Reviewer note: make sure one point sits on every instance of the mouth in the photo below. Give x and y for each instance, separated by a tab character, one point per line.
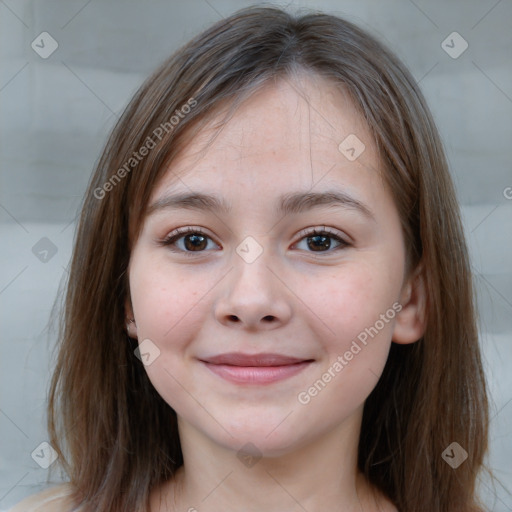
265	368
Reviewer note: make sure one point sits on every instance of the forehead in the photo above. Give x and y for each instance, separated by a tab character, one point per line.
299	132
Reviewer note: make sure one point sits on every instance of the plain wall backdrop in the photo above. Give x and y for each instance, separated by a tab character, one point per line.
69	68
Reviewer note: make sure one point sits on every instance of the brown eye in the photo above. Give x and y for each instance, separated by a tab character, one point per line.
319	242
322	241
187	240
195	242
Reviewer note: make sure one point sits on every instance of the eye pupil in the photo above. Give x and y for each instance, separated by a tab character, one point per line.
198	242
324	240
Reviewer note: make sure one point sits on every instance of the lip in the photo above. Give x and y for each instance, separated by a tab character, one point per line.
262	359
263	368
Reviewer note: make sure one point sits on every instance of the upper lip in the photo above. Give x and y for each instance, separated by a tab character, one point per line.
263	359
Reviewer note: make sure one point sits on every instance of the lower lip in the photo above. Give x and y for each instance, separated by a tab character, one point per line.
256	374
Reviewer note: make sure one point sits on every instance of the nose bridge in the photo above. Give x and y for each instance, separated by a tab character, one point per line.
252	275
252	280
254	296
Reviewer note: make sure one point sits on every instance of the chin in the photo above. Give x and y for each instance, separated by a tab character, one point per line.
262	437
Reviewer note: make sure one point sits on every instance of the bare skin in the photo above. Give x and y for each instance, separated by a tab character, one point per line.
292	300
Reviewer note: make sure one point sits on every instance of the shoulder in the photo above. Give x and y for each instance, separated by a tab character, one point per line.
55	499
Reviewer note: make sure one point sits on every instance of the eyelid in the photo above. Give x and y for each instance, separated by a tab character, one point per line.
177	234
310	231
180	232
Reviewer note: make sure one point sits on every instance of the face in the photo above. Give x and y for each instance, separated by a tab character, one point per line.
316	278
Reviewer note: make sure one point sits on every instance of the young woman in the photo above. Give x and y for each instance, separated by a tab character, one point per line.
270	305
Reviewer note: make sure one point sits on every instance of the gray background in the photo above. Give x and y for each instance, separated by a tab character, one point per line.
56	113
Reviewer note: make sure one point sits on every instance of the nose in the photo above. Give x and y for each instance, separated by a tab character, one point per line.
254	297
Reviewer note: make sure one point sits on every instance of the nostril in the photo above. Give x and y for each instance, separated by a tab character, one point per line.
268	318
233	317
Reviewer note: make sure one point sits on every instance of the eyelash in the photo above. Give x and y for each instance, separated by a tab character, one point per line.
179	233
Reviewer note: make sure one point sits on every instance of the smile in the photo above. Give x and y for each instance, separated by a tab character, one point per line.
255	369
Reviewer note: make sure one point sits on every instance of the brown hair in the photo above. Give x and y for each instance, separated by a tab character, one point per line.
116	437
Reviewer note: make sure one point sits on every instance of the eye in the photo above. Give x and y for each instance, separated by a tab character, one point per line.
319	240
194	240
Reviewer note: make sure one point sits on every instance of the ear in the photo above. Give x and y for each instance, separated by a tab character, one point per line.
411	320
130	325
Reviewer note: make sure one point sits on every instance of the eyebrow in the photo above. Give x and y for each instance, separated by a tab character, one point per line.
292	203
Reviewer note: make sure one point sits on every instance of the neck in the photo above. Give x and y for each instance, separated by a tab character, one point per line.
319	475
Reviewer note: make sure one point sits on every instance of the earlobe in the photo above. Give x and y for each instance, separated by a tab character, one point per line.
411	320
130	325
131	328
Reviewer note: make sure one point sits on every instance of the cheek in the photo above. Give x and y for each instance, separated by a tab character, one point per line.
353	300
169	307
165	300
356	310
